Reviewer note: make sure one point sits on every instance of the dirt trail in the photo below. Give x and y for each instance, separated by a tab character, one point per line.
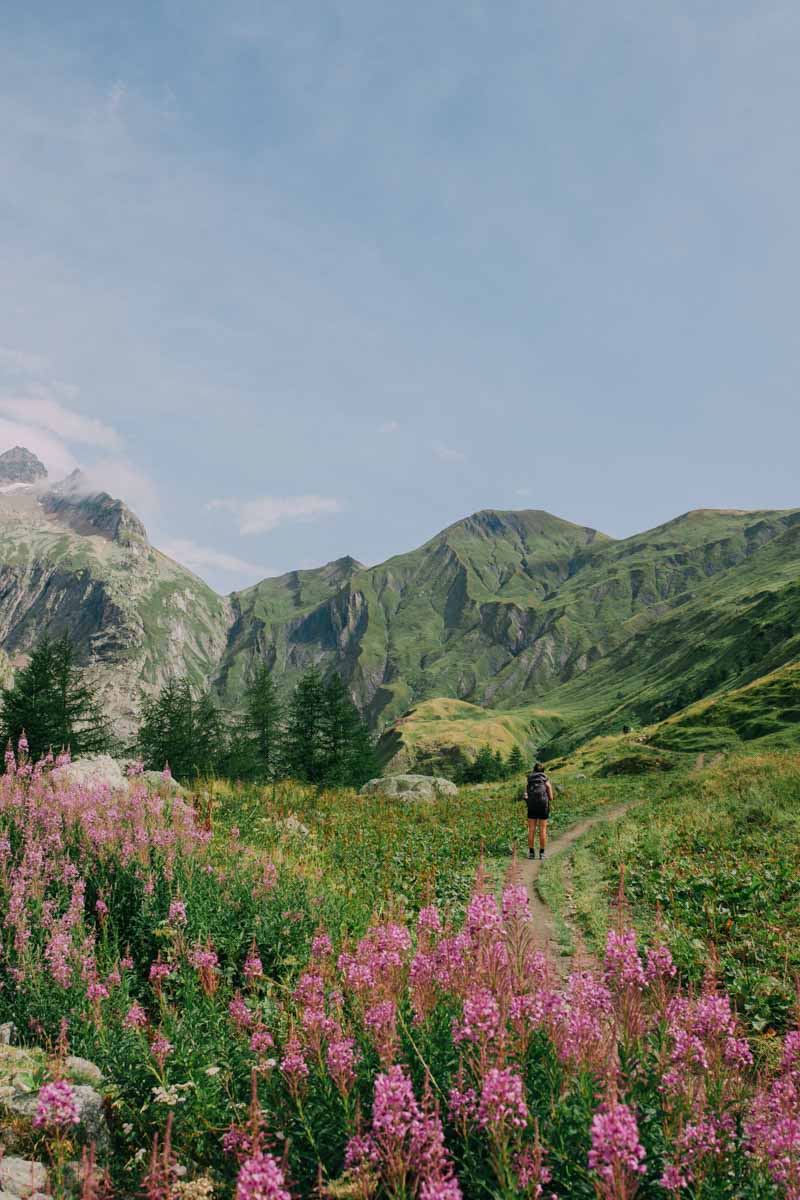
543	925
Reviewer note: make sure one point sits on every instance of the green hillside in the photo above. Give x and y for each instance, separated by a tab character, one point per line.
513	628
508	611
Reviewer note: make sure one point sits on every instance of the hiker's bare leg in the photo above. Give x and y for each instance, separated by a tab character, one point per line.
542	834
531	834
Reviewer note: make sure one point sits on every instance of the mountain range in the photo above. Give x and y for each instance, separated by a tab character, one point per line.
507	626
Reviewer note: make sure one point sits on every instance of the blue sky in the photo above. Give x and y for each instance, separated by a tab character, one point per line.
302	280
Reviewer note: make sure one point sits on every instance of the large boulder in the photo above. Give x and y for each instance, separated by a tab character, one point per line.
95	770
23	1071
410	787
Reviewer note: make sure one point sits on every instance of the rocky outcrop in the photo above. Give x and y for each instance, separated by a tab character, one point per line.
23	1074
20	466
89	512
410	787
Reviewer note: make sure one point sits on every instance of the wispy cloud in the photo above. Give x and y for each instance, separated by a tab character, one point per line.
43	411
448	453
390	427
201	558
268	512
57	458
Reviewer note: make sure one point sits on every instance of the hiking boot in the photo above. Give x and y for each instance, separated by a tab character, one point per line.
531	854
541	854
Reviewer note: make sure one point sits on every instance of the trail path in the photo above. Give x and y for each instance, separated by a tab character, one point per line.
543	925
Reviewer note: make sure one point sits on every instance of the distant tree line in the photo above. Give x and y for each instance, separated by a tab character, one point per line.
316	736
489	766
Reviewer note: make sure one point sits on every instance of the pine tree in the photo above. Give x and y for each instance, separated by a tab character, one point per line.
54	703
304	747
179	730
349	753
263	721
515	763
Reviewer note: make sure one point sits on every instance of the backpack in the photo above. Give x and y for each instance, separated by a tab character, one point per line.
537	786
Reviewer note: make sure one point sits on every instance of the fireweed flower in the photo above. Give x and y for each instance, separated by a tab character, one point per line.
516	904
135	1017
429	921
177	912
262	1178
698	1141
616	1155
57	1106
483	916
481	1018
623	967
261	1041
321	946
502	1104
293	1063
160	1048
239	1013
381	1022
253	967
341	1059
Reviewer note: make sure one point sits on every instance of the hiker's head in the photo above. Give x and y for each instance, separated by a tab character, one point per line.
538	766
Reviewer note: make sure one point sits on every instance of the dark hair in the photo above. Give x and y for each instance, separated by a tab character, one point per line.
539	766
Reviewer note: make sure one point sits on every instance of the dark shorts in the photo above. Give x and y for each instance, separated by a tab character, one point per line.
538	810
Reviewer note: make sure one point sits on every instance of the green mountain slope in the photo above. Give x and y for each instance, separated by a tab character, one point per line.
565	632
84	567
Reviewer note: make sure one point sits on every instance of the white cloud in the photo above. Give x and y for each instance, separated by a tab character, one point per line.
19	362
56	457
268	512
523	491
199	558
390	427
448	453
48	414
121	479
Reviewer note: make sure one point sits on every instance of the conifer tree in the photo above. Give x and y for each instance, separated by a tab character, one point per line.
263	722
177	729
304	750
54	703
515	764
349	753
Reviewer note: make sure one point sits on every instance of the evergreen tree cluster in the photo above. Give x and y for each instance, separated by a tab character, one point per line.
54	704
489	766
318	737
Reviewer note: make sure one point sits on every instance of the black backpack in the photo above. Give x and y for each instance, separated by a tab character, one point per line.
537	786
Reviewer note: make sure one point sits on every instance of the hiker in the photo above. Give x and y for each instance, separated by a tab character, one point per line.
539	797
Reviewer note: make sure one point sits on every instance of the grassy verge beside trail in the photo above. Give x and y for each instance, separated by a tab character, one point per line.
375	855
710	860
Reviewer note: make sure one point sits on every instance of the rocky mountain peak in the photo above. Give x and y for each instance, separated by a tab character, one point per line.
75	502
19	465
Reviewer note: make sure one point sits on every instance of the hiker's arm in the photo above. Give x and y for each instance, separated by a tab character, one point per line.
550	791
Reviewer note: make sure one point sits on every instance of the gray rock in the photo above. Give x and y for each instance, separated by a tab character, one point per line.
410	787
8	1033
22	1176
95	770
292	825
155	780
83	1071
90	1109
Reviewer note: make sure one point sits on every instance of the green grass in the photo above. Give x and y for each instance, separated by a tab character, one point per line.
709	861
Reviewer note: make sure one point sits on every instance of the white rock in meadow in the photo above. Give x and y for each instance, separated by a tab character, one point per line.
22	1176
95	770
410	787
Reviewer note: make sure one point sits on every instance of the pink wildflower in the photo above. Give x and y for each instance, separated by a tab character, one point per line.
177	912
481	1018
341	1059
57	1106
502	1104
136	1017
616	1155
262	1178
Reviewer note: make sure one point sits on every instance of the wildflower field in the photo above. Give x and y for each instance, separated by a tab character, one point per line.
293	994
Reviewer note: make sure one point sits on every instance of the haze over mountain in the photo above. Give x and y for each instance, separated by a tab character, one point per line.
501	610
